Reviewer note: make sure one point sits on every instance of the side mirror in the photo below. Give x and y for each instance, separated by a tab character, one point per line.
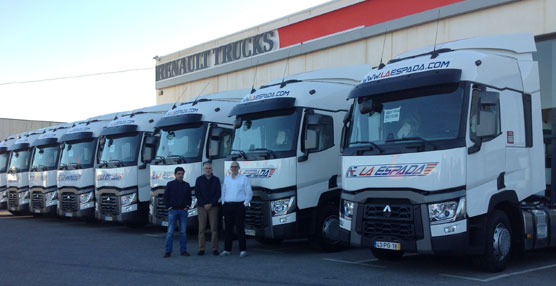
311	140
237	123
150	141
487	124
313	119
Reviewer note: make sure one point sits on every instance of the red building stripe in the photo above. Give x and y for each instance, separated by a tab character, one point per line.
366	13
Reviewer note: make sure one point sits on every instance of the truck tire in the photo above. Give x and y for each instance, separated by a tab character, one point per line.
327	231
385	254
498	243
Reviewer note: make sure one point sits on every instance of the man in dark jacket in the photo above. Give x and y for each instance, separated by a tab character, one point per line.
207	190
177	198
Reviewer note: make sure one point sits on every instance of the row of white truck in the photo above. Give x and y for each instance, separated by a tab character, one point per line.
439	151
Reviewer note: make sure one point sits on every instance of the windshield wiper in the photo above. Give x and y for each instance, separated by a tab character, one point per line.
63	166
413	139
73	166
182	158
118	163
371	144
268	152
159	158
241	153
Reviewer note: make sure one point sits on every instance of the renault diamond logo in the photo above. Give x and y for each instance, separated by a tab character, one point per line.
387	209
68	197
107	198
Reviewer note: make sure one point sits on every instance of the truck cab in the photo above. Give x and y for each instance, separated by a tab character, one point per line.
191	133
18	172
76	170
126	148
286	142
443	151
4	158
42	174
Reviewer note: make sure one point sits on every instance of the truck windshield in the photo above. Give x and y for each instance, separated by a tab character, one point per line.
3	162
122	149
78	155
429	116
182	144
271	133
45	158
19	161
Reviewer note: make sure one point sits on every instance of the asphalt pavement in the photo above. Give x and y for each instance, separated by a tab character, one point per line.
53	251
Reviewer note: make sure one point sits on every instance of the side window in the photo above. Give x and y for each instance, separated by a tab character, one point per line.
220	142
485	115
319	133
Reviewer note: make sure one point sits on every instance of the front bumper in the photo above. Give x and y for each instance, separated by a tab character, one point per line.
407	224
39	204
69	204
259	221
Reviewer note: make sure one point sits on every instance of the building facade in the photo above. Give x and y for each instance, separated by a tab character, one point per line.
10	126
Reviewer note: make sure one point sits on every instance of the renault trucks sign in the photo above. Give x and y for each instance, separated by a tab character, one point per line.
238	50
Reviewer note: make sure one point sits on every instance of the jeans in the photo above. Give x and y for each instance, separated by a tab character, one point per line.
234	218
173	216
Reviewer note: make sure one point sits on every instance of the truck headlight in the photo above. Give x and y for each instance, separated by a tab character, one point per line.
282	206
50	196
347	209
86	197
128	199
193	202
447	211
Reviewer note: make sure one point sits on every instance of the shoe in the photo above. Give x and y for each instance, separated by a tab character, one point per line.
243	254
225	253
167	254
185	253
215	252
201	252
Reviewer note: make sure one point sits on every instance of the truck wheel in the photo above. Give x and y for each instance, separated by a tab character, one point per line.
498	243
385	254
327	231
268	241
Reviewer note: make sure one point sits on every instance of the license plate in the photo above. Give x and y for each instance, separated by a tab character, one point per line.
387	245
108	218
250	232
38	211
69	214
164	223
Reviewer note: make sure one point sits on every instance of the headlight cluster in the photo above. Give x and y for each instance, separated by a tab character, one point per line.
51	196
128	199
447	211
282	206
86	197
193	202
347	209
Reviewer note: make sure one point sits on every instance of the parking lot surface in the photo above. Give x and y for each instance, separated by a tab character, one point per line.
52	251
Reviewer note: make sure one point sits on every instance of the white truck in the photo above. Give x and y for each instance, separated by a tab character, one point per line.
286	142
76	169
443	153
190	134
4	158
43	170
18	172
127	146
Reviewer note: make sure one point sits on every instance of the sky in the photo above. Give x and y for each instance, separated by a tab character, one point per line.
113	40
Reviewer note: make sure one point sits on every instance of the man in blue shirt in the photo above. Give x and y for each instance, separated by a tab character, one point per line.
177	198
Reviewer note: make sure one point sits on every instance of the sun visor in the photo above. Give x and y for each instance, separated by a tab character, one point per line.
179	120
76	136
414	80
263	105
118	129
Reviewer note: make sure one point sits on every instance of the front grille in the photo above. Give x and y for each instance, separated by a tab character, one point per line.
160	207
109	204
68	202
37	200
399	221
12	199
254	215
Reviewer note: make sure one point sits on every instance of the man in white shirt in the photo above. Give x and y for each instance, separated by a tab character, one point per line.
236	196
